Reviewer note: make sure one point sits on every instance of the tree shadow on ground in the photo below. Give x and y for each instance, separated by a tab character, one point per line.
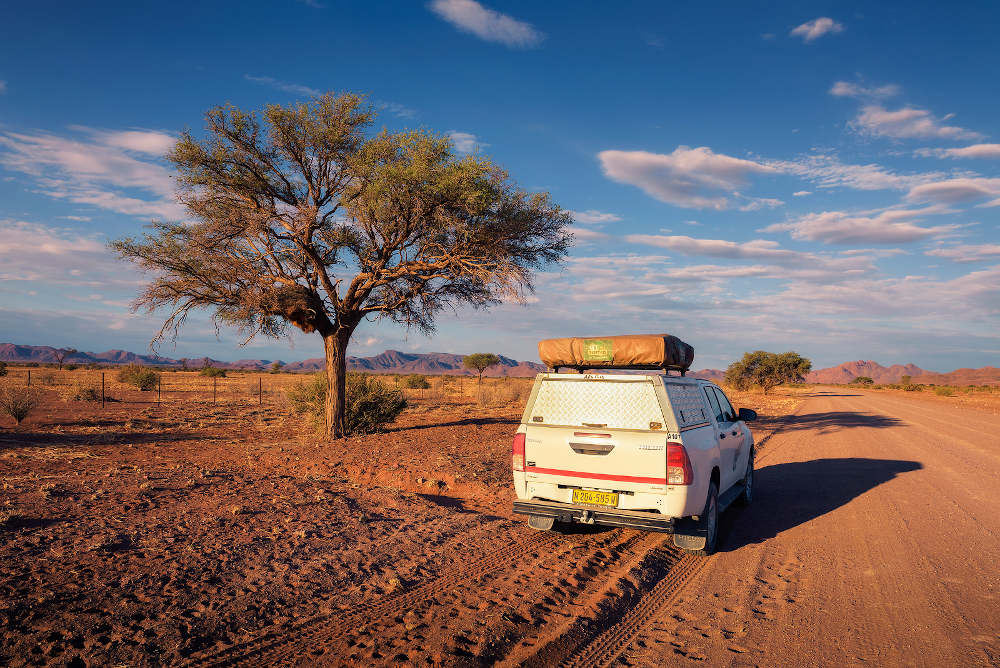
466	422
41	439
794	493
836	420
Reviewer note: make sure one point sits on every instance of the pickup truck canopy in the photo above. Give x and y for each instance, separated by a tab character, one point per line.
632	351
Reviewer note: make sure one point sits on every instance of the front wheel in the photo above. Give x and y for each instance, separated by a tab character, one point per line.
748	481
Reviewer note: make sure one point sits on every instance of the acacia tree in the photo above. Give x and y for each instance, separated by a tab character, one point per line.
480	362
302	218
61	354
767	370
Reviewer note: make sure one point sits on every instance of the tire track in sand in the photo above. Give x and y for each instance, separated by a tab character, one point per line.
303	638
606	647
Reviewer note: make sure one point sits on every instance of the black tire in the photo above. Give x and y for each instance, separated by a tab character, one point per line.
541	523
746	498
710	522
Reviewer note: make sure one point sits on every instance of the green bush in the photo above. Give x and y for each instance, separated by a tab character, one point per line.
862	380
213	372
371	404
415	381
3	368
71	367
943	391
913	387
84	392
138	375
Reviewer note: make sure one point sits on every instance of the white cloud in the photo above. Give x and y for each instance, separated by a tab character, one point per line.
816	28
82	219
587	234
758	249
492	26
956	190
297	89
689	177
974	151
906	123
143	141
838	227
96	171
829	172
36	253
967	252
801	193
758	203
592	216
848	89
465	142
397	109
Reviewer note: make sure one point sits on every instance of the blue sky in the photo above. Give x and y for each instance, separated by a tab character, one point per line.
812	177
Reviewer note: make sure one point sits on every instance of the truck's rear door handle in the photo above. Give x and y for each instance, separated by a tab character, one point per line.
722	435
734	433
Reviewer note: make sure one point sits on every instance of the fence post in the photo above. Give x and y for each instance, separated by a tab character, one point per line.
260	391
29	377
215	387
159	386
102	389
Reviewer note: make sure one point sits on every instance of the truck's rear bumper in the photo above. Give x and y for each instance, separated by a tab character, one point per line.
565	512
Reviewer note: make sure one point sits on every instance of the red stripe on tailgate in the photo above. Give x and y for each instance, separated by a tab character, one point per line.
598	476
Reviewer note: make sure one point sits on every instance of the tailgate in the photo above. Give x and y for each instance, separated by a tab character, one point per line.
597	432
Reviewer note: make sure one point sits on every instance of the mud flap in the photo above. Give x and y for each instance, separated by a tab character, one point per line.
688	535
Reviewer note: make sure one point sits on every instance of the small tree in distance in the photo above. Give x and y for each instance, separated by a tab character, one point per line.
480	362
863	380
767	370
276	366
302	218
61	354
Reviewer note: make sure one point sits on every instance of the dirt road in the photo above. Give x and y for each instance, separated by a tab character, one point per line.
152	539
874	539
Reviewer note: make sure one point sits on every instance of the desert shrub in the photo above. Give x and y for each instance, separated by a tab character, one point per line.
82	392
863	380
33	365
276	366
371	403
71	367
913	387
213	372
3	368
415	381
47	378
138	375
17	401
943	391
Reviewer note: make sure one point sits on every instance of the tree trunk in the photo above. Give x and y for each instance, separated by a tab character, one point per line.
335	347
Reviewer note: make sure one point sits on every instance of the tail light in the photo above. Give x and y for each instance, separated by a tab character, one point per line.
517	452
678	465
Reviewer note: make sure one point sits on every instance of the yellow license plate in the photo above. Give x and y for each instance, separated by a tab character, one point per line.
593	497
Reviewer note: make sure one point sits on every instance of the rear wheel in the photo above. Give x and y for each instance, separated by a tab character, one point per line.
710	522
541	523
748	481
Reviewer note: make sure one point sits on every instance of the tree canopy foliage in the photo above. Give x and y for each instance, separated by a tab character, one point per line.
767	370
480	362
301	217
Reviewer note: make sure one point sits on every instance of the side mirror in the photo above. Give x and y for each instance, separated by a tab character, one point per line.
748	415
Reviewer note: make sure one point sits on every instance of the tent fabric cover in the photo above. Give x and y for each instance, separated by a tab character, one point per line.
639	350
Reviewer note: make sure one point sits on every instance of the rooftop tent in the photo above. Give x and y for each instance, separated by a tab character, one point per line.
633	351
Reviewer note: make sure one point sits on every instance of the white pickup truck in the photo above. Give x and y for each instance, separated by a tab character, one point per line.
655	452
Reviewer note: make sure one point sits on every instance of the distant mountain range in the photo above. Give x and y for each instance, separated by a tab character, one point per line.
395	361
391	361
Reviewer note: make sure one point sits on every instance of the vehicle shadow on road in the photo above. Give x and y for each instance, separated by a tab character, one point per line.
794	493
